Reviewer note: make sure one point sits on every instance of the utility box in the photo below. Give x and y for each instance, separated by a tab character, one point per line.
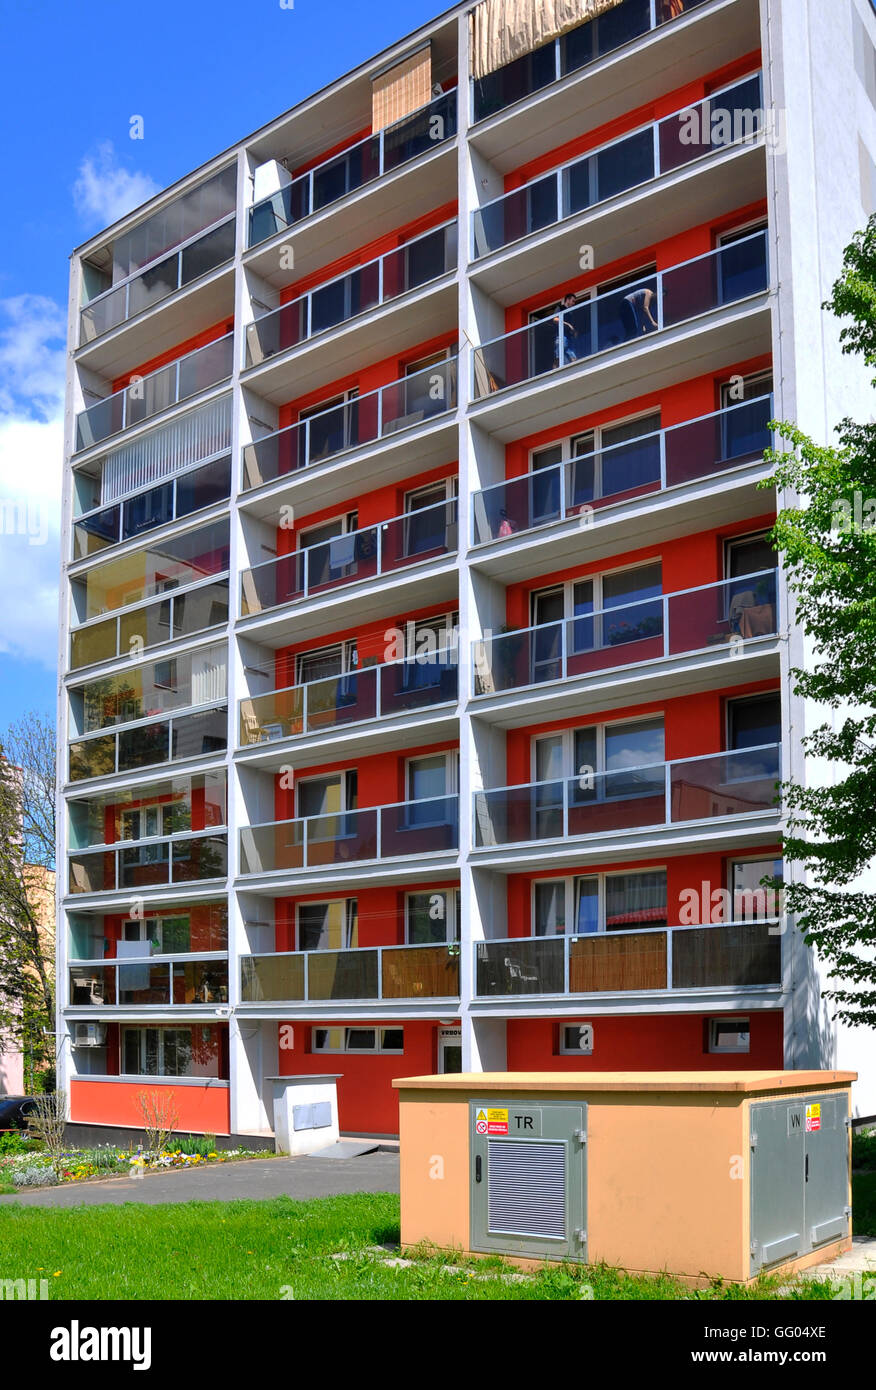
305	1113
697	1174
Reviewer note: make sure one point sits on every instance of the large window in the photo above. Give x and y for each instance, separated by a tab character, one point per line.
191	1051
327	926
599	902
754	722
588	602
750	899
432	917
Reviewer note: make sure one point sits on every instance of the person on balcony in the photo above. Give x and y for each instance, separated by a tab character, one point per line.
565	350
636	312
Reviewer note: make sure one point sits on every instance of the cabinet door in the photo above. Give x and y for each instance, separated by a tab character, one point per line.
827	1169
528	1179
778	1162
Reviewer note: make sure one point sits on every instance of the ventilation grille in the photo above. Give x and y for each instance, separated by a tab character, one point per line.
527	1189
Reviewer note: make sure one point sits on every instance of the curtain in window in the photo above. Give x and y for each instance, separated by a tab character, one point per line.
502	30
633	900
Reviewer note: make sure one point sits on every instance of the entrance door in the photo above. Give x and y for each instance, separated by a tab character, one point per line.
449	1050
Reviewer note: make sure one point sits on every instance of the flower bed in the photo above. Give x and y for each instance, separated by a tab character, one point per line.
35	1167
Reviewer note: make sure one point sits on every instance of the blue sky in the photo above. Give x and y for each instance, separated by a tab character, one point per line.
201	76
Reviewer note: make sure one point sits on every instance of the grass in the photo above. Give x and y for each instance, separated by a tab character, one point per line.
283	1248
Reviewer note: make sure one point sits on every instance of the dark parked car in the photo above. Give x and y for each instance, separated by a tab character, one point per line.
14	1111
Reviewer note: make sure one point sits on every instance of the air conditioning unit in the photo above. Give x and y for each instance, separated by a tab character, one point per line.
89	1034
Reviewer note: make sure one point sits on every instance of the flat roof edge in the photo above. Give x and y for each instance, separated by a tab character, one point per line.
693	1081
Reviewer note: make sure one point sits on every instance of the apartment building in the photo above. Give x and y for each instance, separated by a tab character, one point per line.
425	661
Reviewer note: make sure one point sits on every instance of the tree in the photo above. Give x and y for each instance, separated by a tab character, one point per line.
828	544
27	862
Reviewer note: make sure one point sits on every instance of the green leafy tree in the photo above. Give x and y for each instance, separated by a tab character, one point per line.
27	862
828	545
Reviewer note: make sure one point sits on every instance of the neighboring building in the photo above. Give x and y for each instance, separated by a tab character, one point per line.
426	668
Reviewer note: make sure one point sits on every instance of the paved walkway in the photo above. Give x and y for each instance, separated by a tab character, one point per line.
255	1178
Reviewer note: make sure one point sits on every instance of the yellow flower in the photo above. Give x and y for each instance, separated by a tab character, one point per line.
56	1274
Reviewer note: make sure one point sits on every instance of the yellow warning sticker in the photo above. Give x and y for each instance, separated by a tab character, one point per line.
497	1121
813	1118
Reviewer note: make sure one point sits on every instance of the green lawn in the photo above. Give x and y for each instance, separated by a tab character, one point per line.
283	1248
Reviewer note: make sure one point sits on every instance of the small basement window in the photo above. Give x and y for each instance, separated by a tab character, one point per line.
576	1039
729	1035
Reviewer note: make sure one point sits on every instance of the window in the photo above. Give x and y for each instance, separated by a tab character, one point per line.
332	551
430	781
328	427
432	917
357	1040
576	1039
754	722
633	901
589	755
430	518
750	900
742	263
326	796
749	555
747	412
729	1035
328	926
326	662
589	624
170	1051
602	462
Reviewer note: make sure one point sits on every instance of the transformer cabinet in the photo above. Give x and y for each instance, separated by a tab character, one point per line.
697	1174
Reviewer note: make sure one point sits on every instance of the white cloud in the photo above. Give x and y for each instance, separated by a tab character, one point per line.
32	353
105	191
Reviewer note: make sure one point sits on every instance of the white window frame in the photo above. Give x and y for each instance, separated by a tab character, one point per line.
344	780
346	1029
452	913
567	587
451	772
568	743
570	885
347	650
768	860
142	1029
351	918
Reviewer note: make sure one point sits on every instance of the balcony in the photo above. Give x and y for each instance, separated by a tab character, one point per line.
367	974
577	49
403	830
720	621
668	458
149	864
337	301
740	786
160	390
149	744
181	614
367	554
336	178
149	983
718	279
382	414
620	166
192	261
188	492
727	956
383	692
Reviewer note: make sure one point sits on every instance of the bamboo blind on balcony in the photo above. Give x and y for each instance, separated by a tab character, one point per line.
615	963
402	89
502	30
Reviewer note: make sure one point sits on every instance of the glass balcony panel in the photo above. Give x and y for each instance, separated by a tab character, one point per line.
342	975
196	735
618	961
141	866
206	254
514	81
147	511
717	442
198	859
96	532
200	982
748	953
744	607
144	745
420	535
272	979
92	873
203	487
683	292
417	397
419	827
420	972
93	644
730	116
279	714
417	684
617	801
99	421
144	984
94	757
265	849
341	837
525	966
202	608
338	700
416	135
521	212
725	784
92	985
